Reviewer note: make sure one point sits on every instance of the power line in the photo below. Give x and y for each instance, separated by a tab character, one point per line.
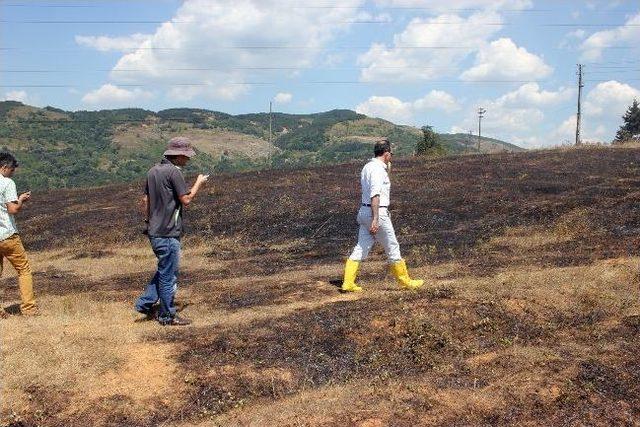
623	61
284	68
125	49
65	6
112	22
51	6
613	67
247	47
329	7
45	71
292	83
266	47
613	71
442	10
586	25
154	22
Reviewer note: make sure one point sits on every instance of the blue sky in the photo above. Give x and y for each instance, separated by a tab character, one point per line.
413	62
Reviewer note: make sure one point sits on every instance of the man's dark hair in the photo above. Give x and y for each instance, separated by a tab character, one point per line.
7	160
381	147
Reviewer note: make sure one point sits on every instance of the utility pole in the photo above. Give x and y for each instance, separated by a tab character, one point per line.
580	86
270	119
481	112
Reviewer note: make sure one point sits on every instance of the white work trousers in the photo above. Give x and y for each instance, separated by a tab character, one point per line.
386	236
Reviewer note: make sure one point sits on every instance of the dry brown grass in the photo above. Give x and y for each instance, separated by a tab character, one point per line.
100	264
79	354
210	141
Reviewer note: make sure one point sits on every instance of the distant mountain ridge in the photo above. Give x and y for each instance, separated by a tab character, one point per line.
60	148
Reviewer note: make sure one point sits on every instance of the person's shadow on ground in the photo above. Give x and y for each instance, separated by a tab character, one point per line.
13	309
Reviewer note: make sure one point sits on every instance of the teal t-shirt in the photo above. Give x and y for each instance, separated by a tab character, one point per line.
8	194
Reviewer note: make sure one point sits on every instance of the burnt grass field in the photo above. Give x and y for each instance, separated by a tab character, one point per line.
513	327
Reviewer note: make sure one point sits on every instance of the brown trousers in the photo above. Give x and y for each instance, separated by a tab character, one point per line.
14	252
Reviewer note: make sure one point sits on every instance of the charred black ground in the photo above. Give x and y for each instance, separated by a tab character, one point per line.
445	210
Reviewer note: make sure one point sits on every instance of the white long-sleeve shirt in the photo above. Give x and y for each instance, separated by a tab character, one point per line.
374	181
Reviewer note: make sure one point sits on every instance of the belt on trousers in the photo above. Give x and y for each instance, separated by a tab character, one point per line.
364	204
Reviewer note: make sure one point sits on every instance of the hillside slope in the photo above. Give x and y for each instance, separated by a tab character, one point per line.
71	149
530	310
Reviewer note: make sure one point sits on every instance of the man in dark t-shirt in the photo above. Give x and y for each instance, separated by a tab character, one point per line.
165	196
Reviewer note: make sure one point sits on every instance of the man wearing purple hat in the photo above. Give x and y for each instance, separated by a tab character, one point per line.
165	196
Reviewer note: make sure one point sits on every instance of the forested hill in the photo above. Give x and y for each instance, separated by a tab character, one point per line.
58	148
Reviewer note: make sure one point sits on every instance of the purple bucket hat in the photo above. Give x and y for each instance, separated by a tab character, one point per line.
179	146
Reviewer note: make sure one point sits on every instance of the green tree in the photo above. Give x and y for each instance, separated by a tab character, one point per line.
631	123
429	144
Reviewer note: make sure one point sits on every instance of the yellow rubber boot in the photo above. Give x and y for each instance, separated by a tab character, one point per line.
399	270
350	273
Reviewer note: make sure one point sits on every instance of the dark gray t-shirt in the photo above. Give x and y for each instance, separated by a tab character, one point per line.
165	184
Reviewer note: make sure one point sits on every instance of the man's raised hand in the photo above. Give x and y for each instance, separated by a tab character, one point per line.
24	196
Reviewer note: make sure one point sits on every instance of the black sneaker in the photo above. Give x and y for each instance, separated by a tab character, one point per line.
151	314
176	321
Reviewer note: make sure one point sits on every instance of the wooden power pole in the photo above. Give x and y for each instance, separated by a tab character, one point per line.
481	112
578	115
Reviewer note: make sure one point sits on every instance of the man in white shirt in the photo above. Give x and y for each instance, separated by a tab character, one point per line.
375	221
11	246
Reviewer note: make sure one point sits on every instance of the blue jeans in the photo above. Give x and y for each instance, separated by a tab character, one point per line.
163	286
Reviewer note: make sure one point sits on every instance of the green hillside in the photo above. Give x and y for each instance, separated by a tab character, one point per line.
59	148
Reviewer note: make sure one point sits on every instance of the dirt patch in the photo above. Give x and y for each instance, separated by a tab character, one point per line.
80	355
146	372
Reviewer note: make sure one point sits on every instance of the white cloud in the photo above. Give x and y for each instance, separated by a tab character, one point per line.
502	58
572	39
223	41
603	109
437	100
440	5
210	86
283	98
531	94
518	120
516	116
403	112
429	48
388	108
600	131
106	43
17	95
518	125
365	16
110	96
577	34
566	131
610	98
627	35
